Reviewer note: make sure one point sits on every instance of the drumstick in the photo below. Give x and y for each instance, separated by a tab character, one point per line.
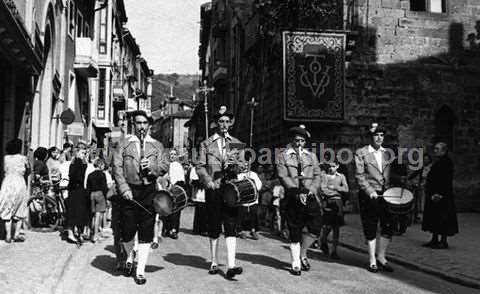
141	206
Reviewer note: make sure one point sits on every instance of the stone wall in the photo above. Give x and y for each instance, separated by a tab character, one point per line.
415	72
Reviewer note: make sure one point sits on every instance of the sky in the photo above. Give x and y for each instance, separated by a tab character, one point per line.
167	32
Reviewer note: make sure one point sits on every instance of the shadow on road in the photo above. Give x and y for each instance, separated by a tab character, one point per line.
187	260
263	260
106	263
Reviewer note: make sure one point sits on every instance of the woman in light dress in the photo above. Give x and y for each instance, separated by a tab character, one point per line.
13	192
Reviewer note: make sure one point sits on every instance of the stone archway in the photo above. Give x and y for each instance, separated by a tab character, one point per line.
445	126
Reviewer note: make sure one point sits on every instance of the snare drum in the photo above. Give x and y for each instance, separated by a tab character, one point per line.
239	192
179	198
167	202
398	201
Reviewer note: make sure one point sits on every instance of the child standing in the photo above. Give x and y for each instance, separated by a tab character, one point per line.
333	184
97	189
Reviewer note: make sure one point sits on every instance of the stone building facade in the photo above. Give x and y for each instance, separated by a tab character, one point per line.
412	66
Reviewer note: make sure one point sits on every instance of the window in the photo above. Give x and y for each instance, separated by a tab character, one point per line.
103	31
79	25
71	20
101	93
433	6
71	91
86	30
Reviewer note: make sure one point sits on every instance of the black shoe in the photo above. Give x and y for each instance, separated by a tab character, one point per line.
324	248
295	271
305	264
128	270
174	235
334	255
385	266
154	245
231	272
140	280
440	245
213	269
373	268
254	235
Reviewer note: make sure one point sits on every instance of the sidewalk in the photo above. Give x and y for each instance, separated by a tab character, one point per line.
460	263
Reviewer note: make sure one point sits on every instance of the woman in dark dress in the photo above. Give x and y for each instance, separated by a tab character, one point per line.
77	203
440	216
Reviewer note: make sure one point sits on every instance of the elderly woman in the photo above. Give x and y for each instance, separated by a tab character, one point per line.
440	216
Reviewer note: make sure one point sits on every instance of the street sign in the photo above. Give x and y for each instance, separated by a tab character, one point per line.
76	129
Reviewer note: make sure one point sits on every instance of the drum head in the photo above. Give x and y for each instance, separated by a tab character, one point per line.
162	203
398	195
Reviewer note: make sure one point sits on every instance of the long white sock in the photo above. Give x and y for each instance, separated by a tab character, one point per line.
129	249
295	252
382	249
143	250
231	248
372	244
214	250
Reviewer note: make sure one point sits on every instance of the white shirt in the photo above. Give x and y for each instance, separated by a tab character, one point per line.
378	156
176	173
198	195
221	143
134	138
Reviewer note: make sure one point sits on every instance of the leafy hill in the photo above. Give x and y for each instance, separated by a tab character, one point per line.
184	87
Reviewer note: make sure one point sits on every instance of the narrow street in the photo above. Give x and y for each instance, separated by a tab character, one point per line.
44	264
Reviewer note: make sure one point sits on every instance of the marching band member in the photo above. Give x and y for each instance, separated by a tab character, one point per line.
215	156
136	164
372	172
299	172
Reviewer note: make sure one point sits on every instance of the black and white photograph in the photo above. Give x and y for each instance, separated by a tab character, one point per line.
239	146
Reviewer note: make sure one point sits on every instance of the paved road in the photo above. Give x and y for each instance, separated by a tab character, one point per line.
44	264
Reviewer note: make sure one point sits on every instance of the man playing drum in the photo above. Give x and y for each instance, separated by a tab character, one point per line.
137	162
372	172
215	156
299	171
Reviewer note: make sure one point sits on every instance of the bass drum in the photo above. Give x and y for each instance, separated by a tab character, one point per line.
398	201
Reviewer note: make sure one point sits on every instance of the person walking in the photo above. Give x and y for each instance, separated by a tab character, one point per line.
372	172
215	157
137	163
97	189
299	172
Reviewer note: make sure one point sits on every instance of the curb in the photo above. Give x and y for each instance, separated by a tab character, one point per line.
464	281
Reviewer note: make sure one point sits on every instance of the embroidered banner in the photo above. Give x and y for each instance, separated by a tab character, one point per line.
313	76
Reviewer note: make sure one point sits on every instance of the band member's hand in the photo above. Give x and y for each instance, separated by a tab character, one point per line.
374	195
211	185
217	183
127	195
303	198
145	164
436	197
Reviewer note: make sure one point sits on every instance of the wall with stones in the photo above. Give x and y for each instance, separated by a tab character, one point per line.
406	70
